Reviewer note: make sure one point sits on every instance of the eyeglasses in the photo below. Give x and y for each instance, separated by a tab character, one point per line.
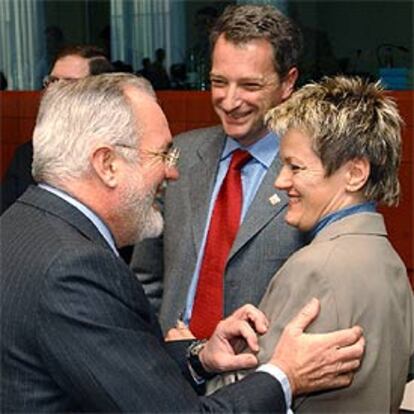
48	79
170	156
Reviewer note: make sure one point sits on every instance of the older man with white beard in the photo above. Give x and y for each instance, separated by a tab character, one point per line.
78	333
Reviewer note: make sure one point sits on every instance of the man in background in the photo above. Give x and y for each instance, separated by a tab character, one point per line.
255	53
72	62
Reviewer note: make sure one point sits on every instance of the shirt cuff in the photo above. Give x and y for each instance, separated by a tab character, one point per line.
279	375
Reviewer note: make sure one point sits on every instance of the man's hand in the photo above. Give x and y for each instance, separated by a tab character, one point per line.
314	362
178	333
238	331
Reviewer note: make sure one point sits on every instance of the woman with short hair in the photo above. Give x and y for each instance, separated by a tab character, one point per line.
340	150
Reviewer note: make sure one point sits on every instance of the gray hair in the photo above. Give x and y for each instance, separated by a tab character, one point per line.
75	116
346	119
243	23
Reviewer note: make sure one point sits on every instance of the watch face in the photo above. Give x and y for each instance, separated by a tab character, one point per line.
195	348
193	358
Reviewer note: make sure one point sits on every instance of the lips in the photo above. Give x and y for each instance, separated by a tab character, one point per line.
236	118
293	199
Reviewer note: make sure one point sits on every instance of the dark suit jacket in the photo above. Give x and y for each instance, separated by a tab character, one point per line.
77	330
18	176
263	243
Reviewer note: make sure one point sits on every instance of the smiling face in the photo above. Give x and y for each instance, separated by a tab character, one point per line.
245	85
311	194
143	178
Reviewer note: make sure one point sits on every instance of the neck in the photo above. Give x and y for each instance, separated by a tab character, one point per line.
252	138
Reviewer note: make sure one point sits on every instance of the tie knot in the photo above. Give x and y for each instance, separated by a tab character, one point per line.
239	158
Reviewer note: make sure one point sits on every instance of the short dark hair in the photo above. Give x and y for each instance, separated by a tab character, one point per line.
244	23
100	64
98	60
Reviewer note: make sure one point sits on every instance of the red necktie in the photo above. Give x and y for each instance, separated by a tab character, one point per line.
225	221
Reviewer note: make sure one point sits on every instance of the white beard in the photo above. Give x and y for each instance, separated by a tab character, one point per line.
141	219
152	226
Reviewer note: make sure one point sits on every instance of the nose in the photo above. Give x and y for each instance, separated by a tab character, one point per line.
171	173
284	179
231	99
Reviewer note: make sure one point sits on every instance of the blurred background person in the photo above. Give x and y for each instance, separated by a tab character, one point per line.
3	81
72	62
198	55
55	42
145	70
158	73
120	66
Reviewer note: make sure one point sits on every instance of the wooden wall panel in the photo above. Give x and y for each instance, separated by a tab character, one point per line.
400	219
187	110
18	116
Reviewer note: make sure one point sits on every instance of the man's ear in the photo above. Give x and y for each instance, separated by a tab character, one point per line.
357	174
288	83
105	164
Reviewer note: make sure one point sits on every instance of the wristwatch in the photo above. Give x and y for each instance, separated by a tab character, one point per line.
193	358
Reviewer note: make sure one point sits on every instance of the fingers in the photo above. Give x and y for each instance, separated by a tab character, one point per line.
239	329
254	316
180	332
344	337
317	361
305	316
342	360
176	334
338	381
249	335
338	367
352	352
244	361
341	381
347	367
221	352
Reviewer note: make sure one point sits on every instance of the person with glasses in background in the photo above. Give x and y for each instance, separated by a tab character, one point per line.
78	333
72	62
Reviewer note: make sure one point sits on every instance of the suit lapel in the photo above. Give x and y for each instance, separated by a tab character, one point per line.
202	175
263	208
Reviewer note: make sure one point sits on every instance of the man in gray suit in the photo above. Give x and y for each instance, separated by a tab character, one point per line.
255	51
78	334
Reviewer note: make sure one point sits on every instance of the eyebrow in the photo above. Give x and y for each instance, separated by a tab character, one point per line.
292	158
246	79
168	146
162	149
263	80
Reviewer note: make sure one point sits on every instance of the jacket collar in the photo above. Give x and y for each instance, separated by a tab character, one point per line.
361	223
55	206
